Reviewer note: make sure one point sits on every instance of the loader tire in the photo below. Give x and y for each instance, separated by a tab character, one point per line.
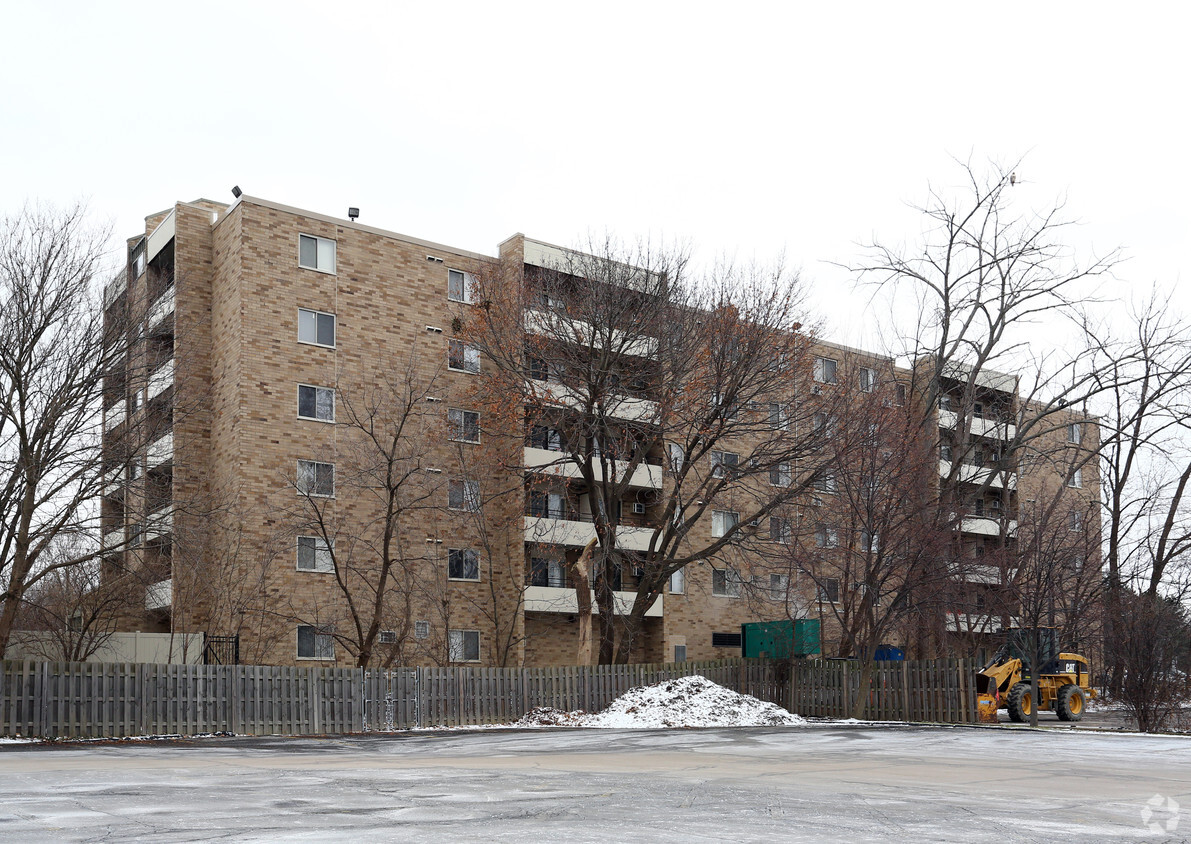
1069	702
1020	703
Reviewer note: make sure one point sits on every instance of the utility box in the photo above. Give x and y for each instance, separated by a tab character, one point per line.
780	639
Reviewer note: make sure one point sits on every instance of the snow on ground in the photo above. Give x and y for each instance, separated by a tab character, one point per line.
685	702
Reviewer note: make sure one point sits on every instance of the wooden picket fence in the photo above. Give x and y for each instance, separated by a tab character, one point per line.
932	690
103	700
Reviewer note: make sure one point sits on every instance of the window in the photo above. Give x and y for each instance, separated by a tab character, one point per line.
463	645
138	264
463	564
869	541
463	495
464	425
1075	433
388	637
945	453
462	357
316	642
826	536
778	584
678	582
825	370
314	554
725	640
543	437
778	418
316	328
724	463
460	286
723	521
316	478
421	629
680	653
725	583
1075	521
316	253
828	591
899	394
1076	478
780	475
824	481
547	572
676	457
825	425
547	505
779	530
868	379
864	592
945	402
316	403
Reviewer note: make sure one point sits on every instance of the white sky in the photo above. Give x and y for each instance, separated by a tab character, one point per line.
747	129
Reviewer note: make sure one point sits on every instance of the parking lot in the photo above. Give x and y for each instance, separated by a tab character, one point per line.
813	783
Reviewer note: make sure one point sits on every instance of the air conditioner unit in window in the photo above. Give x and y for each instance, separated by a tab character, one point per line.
388	637
639	508
755	523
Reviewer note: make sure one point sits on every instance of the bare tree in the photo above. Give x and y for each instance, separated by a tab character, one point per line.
373	549
621	364
1152	641
53	358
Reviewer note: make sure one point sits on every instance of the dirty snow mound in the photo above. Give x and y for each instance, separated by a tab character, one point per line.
546	716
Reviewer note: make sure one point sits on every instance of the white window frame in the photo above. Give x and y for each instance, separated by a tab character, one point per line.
470	356
1075	521
302	487
320	245
323	562
870	540
457	425
468	497
463	555
677	457
468	296
719	525
421	629
866	379
825	481
317	389
821	367
720	464
783	529
1075	433
779	419
323	641
725	583
826	536
779	586
316	315
678	582
457	645
823	593
781	475
1075	481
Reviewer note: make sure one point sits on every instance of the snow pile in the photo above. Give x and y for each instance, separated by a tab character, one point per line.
686	702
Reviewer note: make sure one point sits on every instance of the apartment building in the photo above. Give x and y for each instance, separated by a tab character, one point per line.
251	448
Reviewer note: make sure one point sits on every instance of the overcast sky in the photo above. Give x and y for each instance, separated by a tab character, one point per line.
746	129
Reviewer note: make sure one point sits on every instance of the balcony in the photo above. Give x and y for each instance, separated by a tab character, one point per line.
113	482
575	530
114	415
629	408
987	525
160	595
161	451
159	524
554	599
982	574
557	464
981	427
113	539
555	326
161	310
970	474
971	623
161	380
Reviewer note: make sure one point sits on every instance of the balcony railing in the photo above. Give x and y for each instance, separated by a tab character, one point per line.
647	475
161	309
161	451
562	600
114	415
160	595
162	379
982	425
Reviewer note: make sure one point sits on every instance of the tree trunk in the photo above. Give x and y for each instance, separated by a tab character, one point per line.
583	599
